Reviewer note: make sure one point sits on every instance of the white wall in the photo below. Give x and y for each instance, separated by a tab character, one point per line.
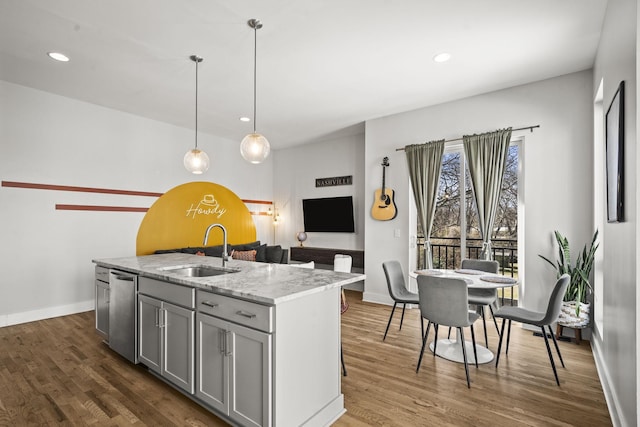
295	172
616	346
557	161
46	254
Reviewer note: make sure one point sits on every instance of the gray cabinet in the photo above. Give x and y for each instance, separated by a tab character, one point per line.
166	332
102	301
234	362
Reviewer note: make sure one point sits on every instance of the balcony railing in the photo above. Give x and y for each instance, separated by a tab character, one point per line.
447	255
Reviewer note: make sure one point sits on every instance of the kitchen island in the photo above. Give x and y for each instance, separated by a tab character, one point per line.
257	344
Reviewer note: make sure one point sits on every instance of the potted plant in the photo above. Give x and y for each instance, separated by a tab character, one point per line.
575	298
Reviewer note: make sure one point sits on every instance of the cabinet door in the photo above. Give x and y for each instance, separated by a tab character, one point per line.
149	332
177	360
212	384
102	309
249	353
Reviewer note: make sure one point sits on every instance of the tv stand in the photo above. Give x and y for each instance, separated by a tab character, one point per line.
323	257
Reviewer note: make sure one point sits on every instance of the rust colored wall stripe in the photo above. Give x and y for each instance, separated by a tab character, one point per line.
34	186
79	189
100	208
259	202
62	207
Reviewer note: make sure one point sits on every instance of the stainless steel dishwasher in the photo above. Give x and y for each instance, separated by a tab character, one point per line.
123	326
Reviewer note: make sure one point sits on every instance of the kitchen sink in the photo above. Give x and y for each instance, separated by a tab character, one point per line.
199	270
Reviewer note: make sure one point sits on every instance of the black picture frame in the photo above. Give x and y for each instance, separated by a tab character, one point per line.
614	147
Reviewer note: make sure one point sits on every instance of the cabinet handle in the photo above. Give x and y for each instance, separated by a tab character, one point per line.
222	337
125	278
106	295
210	304
245	314
157	318
228	347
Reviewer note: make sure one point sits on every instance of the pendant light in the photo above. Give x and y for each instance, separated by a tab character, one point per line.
254	147
196	161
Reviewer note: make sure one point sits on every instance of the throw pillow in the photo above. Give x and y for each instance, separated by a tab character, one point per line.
215	251
274	254
261	253
245	246
244	255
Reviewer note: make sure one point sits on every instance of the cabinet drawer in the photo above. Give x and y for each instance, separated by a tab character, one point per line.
246	313
165	291
102	274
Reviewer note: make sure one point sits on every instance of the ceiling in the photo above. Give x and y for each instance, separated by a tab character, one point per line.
323	66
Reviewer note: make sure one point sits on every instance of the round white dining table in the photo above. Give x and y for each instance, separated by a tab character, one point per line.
451	349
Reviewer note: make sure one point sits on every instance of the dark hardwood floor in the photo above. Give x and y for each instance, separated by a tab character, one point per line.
58	372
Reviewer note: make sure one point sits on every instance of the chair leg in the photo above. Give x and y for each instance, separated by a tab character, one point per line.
435	343
389	322
464	355
495	322
556	344
424	343
508	337
449	334
553	364
421	326
484	325
473	340
404	305
500	342
344	369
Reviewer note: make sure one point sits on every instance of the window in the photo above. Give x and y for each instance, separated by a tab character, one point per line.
455	228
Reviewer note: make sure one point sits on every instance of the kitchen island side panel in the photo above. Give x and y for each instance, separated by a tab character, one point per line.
307	373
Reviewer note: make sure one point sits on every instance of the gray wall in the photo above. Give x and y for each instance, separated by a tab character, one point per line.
557	165
295	171
46	253
616	345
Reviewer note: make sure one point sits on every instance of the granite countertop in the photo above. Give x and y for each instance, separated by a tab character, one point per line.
255	281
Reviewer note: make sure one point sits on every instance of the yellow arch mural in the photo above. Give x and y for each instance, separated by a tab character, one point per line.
180	217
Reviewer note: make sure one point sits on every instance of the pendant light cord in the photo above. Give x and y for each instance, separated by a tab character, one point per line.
255	72
196	61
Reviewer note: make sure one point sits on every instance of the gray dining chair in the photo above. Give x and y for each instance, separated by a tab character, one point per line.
443	301
535	318
483	297
398	292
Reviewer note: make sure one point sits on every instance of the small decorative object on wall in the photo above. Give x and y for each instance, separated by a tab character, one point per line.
615	156
301	236
384	208
333	181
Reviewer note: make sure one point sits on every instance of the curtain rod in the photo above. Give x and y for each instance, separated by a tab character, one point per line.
531	128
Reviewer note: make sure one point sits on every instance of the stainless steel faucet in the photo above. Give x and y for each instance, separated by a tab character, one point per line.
225	256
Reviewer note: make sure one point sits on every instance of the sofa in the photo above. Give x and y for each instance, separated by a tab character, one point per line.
254	251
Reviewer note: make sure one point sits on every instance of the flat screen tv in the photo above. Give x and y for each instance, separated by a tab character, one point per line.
329	215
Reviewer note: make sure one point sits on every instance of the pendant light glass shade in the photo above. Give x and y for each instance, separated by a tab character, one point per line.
255	147
196	161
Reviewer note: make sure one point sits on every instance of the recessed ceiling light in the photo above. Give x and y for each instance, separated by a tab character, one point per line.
442	57
58	56
245	119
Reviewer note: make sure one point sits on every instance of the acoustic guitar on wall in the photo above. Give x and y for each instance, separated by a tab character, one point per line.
384	207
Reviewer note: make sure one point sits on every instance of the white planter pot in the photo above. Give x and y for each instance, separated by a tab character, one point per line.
568	314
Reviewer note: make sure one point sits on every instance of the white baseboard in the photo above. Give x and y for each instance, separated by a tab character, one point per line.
377	298
46	313
615	411
384	299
